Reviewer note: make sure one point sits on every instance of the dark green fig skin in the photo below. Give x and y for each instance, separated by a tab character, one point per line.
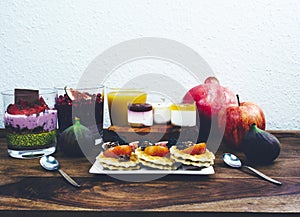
74	135
259	146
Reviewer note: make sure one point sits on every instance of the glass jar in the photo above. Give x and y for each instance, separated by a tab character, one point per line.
30	121
80	120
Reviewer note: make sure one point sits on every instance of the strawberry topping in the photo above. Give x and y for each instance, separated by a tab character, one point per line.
22	107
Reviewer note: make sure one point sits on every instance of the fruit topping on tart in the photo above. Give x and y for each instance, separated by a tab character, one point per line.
191	148
121	151
196	149
118	157
144	144
154	155
108	145
189	153
157	150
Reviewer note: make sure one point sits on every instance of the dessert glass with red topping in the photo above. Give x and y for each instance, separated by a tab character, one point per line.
85	103
30	122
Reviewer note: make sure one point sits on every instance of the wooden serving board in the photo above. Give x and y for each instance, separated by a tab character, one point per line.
154	133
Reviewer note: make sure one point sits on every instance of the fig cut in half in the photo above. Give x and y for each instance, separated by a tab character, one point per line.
76	95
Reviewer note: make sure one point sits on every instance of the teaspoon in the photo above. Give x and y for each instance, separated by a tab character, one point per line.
51	164
233	161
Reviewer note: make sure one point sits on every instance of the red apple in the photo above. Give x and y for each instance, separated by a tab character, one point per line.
238	119
210	98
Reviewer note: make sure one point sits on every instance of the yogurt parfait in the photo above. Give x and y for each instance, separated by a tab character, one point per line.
30	123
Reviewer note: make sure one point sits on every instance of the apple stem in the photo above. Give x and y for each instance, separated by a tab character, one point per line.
238	99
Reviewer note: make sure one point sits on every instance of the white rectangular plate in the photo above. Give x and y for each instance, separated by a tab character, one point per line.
98	169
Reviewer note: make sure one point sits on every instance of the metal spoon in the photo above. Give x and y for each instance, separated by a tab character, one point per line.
234	161
50	163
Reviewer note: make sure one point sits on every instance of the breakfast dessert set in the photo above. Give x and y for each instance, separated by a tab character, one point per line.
161	155
38	122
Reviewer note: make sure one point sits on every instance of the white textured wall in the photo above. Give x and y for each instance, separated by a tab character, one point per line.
252	46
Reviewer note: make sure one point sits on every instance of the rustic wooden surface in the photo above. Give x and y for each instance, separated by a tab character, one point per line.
26	189
154	133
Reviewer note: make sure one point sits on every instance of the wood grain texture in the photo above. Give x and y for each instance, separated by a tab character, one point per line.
24	185
154	133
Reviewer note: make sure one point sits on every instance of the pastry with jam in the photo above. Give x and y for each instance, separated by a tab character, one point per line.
155	156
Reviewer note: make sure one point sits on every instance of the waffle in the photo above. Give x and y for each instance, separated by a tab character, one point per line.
201	160
117	163
163	163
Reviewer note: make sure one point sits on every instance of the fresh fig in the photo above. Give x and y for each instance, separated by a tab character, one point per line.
73	136
76	95
260	146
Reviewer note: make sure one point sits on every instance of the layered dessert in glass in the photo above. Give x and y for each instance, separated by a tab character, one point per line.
30	122
83	103
140	115
183	115
80	111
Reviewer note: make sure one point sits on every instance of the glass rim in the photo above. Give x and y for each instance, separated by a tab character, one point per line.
11	92
80	88
125	89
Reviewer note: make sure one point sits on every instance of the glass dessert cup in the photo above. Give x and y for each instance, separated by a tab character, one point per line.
85	103
183	114
79	106
118	100
30	122
161	108
140	115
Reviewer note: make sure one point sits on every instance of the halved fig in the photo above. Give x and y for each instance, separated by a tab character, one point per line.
76	95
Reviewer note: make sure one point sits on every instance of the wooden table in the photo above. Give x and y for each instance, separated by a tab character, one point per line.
28	190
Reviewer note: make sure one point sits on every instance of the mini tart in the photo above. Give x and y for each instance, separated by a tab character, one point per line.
157	162
110	167
119	164
199	160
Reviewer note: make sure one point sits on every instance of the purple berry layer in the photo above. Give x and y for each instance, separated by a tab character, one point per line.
47	120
